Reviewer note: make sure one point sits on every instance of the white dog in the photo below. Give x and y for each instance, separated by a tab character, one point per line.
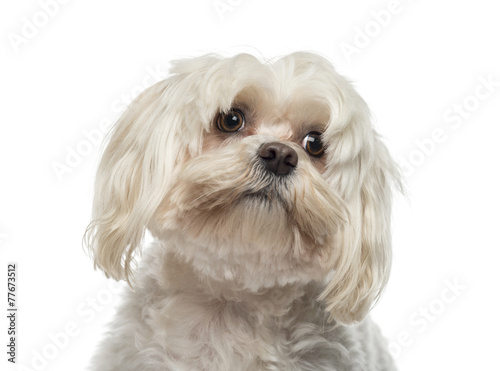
268	193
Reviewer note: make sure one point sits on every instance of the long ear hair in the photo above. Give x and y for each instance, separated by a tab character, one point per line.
124	186
159	129
365	174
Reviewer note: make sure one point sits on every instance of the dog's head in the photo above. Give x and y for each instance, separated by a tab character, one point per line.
264	174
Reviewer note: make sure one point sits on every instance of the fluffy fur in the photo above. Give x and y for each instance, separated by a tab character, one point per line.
250	270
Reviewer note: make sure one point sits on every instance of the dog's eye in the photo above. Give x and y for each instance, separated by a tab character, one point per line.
231	122
313	145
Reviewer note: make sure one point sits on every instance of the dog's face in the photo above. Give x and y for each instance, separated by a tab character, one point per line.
257	173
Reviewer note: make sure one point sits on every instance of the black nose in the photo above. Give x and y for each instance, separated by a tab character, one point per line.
278	157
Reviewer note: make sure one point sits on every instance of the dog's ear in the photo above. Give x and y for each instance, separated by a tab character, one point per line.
156	132
123	195
365	174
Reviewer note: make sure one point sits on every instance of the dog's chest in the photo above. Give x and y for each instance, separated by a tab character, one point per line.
220	335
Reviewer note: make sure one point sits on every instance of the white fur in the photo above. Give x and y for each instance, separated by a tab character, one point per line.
249	271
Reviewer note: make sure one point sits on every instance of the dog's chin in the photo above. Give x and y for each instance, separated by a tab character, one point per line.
253	218
271	219
268	197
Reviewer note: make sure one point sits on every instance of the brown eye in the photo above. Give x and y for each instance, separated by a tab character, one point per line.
231	122
313	145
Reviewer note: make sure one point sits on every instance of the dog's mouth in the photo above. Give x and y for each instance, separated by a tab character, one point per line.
270	190
266	197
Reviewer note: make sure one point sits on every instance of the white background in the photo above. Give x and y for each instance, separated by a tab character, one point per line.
417	66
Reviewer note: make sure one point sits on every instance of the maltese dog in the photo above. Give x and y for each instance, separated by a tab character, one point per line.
268	194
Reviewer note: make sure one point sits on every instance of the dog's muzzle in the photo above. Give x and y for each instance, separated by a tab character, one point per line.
278	158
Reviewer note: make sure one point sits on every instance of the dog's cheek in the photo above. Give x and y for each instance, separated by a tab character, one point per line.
211	141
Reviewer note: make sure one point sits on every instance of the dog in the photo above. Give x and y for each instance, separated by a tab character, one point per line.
268	194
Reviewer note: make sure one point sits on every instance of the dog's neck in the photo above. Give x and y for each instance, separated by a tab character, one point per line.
174	274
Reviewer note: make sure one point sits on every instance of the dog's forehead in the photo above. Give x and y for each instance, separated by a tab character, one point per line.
285	97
